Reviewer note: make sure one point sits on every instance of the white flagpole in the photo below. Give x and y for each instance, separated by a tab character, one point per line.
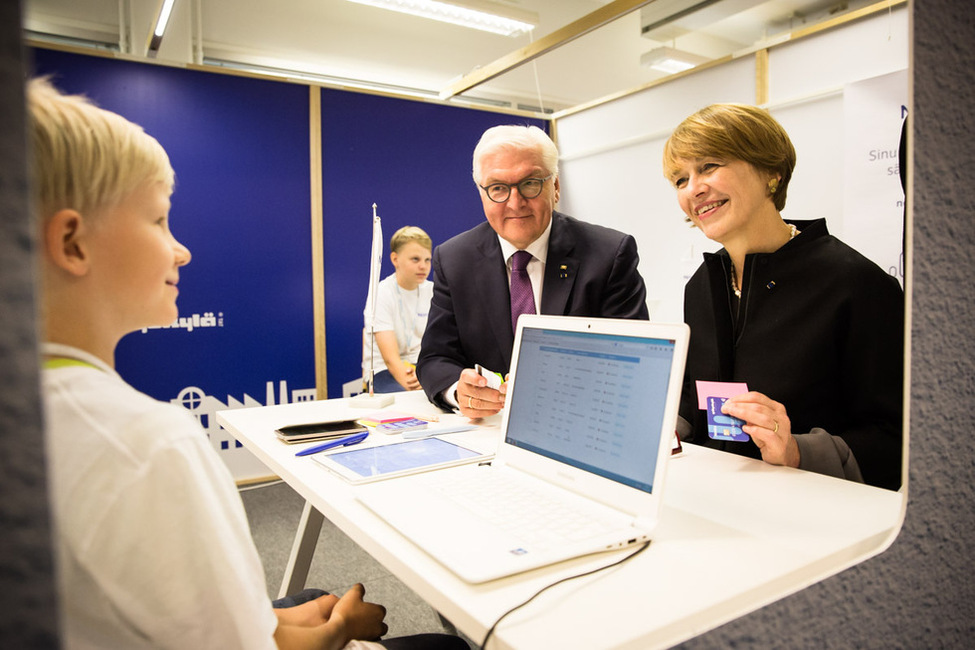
375	264
375	269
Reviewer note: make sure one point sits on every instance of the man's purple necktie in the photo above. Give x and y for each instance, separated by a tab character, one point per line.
522	298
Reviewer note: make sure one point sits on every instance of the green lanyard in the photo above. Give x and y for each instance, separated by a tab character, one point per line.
64	362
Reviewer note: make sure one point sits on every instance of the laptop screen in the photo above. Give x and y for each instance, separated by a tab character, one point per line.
594	401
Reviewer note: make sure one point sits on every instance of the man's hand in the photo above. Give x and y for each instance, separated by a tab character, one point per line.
474	397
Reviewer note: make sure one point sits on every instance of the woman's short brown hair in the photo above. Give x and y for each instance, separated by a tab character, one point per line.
737	132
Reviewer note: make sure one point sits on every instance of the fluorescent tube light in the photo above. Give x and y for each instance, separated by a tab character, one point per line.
162	20
669	60
167	9
477	14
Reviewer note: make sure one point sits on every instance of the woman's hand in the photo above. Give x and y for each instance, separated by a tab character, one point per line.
768	425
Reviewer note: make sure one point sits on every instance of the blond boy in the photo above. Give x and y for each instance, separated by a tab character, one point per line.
400	316
152	543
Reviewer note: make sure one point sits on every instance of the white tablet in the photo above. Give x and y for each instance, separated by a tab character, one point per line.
367	464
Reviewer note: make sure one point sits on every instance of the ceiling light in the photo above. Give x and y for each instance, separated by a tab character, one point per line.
477	14
162	19
669	60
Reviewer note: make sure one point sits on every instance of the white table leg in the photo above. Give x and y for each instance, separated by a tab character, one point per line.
306	538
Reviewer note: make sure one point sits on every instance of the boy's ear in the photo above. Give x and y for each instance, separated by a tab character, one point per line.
64	243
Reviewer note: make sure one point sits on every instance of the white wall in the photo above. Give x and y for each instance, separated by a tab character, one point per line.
611	170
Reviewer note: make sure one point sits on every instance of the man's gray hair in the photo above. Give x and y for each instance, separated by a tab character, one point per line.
516	137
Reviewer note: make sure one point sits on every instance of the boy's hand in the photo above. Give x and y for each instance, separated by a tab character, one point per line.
359	620
308	614
412	383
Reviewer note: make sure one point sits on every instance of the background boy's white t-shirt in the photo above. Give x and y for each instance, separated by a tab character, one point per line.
401	311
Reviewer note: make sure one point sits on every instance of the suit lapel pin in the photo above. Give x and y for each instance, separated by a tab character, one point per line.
563	271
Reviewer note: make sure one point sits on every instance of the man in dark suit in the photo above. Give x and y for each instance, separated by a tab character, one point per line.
575	268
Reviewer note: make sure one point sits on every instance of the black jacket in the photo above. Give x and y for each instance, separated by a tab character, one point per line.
819	328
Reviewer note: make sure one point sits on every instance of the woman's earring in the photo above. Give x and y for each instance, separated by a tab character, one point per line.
773	186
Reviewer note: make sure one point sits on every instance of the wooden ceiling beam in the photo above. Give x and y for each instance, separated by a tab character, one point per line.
556	39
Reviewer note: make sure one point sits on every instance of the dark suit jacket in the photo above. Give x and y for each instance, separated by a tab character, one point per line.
590	271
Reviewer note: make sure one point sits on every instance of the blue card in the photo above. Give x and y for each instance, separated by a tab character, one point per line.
721	426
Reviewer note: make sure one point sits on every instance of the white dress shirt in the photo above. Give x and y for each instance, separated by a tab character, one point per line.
536	273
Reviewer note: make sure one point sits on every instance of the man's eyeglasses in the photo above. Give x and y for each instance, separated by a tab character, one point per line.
528	188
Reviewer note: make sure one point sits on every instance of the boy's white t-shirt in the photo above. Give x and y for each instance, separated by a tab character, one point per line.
153	548
399	310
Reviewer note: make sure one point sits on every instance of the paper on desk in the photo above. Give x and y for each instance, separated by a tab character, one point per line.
381	417
706	389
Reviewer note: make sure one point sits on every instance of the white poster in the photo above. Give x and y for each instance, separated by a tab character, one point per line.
873	204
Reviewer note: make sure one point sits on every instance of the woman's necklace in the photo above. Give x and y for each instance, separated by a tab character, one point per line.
793	231
734	281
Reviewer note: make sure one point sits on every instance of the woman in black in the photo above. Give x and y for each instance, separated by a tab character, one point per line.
815	329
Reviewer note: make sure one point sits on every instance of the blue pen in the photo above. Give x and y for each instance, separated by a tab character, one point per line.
331	444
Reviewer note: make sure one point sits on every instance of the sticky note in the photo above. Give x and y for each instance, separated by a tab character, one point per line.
706	389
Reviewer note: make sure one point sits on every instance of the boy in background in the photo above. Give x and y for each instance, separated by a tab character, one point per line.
400	314
152	543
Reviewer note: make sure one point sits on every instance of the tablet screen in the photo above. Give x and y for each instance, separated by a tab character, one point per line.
397	459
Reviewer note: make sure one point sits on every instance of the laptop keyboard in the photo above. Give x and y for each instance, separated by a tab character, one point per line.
527	509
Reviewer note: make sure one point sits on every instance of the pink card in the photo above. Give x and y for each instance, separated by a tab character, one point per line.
706	389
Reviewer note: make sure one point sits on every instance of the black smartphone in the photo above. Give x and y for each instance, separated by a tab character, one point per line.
318	430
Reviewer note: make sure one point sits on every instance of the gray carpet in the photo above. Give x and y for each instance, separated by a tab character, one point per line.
274	511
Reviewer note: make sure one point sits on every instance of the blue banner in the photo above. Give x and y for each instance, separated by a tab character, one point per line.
413	160
245	335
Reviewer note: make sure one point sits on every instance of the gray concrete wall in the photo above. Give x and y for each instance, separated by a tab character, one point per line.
918	594
27	614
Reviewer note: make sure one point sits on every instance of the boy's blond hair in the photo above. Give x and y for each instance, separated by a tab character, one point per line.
405	235
86	158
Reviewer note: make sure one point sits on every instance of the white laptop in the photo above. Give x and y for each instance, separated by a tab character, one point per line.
589	418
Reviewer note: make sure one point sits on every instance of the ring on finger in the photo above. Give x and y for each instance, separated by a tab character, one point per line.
470	401
776	428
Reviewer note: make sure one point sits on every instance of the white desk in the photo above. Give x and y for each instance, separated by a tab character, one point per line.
736	534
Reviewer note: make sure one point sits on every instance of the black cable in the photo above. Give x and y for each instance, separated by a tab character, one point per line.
558	582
